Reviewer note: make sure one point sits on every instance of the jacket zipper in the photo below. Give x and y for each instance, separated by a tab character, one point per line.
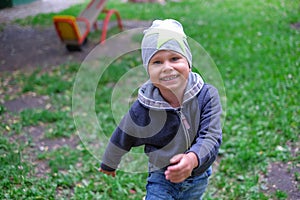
186	127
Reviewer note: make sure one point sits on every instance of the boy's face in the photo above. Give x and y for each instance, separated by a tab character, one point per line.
169	70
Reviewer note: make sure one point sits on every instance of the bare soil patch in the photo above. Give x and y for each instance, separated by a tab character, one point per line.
27	47
26	102
284	177
296	25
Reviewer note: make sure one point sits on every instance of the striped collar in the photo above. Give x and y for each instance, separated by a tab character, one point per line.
150	96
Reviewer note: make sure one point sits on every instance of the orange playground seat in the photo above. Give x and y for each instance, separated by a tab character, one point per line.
73	31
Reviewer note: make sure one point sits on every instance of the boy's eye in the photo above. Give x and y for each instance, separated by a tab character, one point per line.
157	62
175	58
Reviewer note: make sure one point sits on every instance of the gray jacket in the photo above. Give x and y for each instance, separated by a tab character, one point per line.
166	131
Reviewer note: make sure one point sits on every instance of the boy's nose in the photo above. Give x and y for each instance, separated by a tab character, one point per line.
167	66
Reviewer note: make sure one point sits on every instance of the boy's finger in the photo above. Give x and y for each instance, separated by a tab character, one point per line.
176	158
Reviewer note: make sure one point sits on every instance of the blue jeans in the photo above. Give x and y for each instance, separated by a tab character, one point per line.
158	188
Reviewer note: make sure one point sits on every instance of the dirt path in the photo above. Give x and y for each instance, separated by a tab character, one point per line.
27	47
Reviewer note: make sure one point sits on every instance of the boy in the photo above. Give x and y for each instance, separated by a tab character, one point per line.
176	117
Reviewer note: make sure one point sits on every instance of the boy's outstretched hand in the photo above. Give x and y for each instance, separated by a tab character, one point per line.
110	173
181	167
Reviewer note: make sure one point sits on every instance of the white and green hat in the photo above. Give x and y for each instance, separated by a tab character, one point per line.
164	35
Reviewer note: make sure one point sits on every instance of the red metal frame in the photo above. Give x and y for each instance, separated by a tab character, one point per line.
109	13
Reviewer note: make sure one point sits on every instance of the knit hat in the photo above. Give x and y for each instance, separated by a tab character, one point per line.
165	35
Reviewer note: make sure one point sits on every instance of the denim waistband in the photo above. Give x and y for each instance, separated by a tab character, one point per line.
154	169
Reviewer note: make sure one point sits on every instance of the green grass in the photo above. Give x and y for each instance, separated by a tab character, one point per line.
257	53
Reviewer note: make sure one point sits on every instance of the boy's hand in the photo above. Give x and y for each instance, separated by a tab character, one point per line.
110	173
182	167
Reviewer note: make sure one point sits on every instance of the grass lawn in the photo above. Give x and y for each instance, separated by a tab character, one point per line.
257	53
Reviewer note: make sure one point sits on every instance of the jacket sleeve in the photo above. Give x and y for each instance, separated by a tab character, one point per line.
123	139
120	143
112	155
209	135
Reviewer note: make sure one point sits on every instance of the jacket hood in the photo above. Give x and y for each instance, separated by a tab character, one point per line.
150	96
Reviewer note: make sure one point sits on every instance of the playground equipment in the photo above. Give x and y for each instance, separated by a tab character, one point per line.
73	31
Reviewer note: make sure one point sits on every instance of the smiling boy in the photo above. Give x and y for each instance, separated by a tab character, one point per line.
176	117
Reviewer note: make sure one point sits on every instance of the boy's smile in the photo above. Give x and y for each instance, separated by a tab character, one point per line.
169	70
169	78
